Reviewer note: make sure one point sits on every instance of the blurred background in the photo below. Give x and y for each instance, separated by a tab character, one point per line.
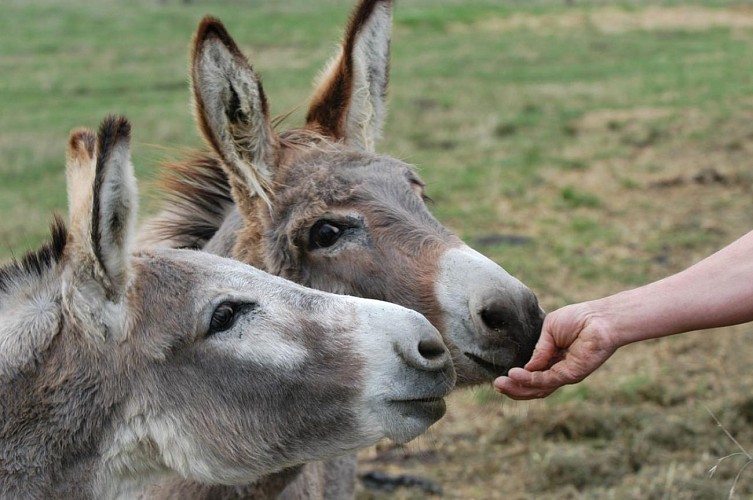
585	146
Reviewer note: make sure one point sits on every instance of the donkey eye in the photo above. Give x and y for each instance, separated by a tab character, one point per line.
324	234
223	318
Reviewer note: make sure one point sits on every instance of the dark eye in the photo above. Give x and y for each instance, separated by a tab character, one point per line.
222	318
324	234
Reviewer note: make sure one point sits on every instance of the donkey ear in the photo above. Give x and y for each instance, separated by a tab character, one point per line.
115	201
103	204
350	100
232	111
79	172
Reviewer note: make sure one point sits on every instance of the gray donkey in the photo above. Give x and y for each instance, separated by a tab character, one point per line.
316	205
118	369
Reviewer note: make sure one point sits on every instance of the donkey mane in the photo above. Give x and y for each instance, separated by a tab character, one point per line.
196	195
34	264
196	198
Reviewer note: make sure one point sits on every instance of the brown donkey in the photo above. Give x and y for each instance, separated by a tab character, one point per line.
118	369
316	205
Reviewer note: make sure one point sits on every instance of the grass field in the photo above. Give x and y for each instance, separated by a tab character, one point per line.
586	146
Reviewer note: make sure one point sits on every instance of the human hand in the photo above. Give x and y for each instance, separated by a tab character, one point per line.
574	342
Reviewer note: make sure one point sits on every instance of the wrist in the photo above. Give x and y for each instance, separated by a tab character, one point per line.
642	313
607	317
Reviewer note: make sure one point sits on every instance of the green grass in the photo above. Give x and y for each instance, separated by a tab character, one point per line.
468	94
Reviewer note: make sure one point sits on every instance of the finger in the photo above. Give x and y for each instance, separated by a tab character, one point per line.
542	353
511	389
548	380
544	380
520	376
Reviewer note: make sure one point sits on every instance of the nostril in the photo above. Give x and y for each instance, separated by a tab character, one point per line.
497	318
431	349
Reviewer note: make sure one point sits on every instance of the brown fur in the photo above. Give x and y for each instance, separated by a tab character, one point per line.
390	247
198	199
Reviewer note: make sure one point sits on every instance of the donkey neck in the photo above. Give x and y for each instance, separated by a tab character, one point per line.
223	241
240	239
53	420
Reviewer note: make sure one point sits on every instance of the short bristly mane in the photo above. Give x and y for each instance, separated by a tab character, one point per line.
196	194
35	263
196	199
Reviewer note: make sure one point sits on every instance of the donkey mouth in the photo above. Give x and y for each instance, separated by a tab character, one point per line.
493	368
430	405
430	401
408	418
420	400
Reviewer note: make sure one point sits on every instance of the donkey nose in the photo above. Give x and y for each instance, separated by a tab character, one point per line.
518	322
424	349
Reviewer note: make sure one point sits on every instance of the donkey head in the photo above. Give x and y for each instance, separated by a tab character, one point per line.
319	207
117	367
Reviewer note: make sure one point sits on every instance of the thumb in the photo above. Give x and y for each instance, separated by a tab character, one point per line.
543	353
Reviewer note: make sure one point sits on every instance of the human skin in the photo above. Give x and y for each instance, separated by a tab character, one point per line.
578	338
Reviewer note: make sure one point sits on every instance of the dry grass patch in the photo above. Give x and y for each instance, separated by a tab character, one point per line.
610	20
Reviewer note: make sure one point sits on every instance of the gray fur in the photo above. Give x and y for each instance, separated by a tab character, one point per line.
223	241
123	382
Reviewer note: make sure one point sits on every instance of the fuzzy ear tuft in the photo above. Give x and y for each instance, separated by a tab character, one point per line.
232	112
349	102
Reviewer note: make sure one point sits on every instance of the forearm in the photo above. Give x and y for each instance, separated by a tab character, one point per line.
715	292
